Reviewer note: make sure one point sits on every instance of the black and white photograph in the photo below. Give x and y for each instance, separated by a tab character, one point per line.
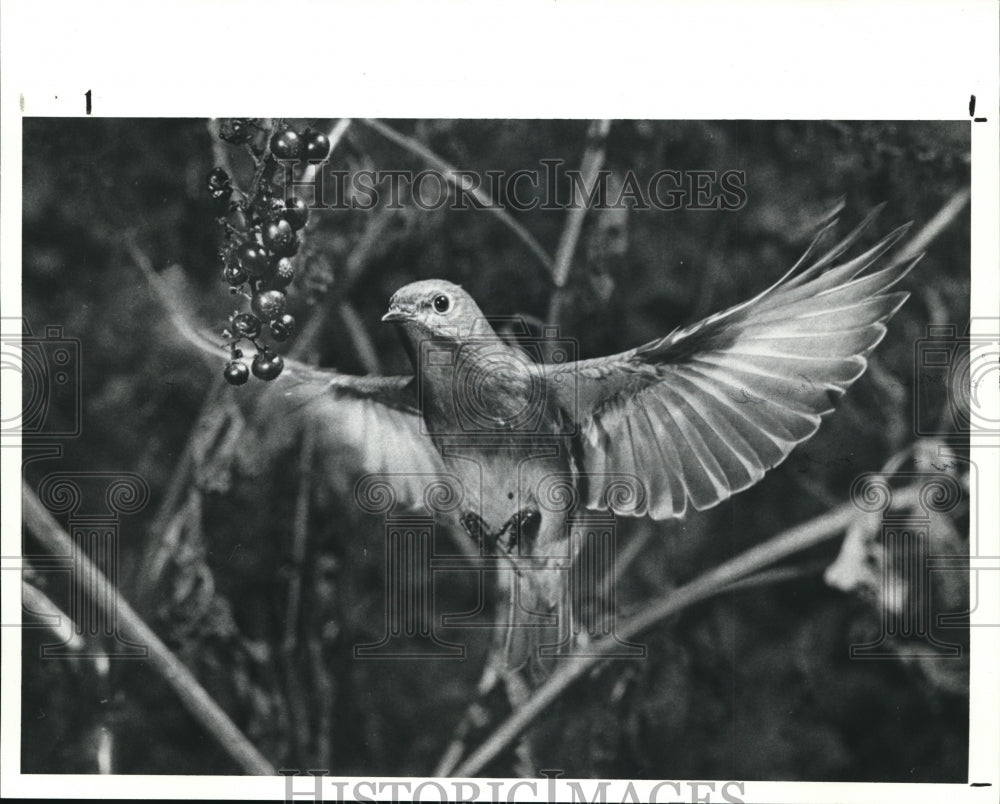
498	456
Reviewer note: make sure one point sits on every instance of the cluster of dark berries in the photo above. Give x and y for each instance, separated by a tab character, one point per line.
257	255
309	146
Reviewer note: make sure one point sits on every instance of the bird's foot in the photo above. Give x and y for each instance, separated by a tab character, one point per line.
520	529
516	529
474	526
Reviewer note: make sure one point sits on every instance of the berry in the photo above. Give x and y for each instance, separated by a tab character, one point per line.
284	273
286	144
267	365
268	304
218	181
254	259
316	146
236	373
282	327
280	237
237	130
234	275
270	208
247	325
221	188
221	202
296	212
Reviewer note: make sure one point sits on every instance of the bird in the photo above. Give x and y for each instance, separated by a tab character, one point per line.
690	418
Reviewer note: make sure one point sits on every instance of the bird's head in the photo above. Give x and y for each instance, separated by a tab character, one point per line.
436	308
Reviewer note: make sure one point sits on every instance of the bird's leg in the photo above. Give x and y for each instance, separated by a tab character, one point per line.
474	526
520	528
506	537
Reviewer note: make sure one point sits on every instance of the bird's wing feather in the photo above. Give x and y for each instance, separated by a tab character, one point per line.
369	425
704	412
357	426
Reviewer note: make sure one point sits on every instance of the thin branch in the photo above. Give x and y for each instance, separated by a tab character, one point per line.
323	703
448	172
930	230
102	594
39	604
456	747
775	575
593	161
220	156
165	543
362	342
297	698
719	579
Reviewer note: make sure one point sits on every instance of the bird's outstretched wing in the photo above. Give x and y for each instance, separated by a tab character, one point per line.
357	425
363	425
704	412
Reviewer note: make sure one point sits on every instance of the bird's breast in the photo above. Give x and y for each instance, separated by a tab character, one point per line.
497	426
501	477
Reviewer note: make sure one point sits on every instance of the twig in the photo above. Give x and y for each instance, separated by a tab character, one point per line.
323	705
165	544
293	607
38	603
593	161
359	337
774	575
373	236
930	230
220	156
629	553
717	580
456	747
102	594
448	173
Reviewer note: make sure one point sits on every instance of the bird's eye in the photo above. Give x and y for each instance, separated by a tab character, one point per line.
441	303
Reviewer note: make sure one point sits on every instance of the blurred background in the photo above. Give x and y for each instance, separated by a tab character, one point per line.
754	684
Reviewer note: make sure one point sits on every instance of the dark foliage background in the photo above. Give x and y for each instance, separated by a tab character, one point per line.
756	684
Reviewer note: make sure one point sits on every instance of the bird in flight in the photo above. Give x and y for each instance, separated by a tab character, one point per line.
679	423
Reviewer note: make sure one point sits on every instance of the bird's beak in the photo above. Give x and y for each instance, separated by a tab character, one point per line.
395	314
